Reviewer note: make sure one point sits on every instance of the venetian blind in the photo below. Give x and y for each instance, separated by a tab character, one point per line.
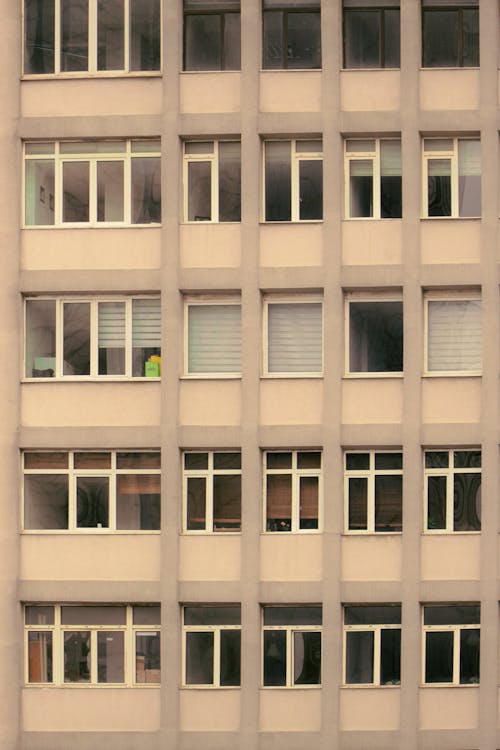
454	336
295	337
214	338
146	323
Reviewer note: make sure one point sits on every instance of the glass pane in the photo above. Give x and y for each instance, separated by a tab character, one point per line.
202	42
199	658
361	188
362	39
46	460
45	501
278	181
147	614
110	35
216	615
146	460
196	504
38	36
303	40
436	503
229	181
390	657
39	192
146	337
278	460
454	336
309	460
272	42
214	338
469	178
111	338
310	189
147	146
466	459
74	35
92	460
467	502
292	615
199	191
94	615
439	657
92	502
144	34
307	658
376	614
230	657
199	147
147	657
75	191
76	338
358	503
376	337
469	657
227	503
109	191
227	461
77	656
110	656
39	657
196	461
359	658
456	614
390	179
439	187
309	498
384	461
279	502
436	459
40	338
388	503
39	615
138	501
357	461
232	43
146	190
92	147
470	37
440	38
275	657
391	38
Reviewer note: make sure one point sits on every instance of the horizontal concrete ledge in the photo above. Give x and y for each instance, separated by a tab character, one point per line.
210	280
372	277
107	126
209	125
89	437
89	591
206	741
450	591
113	280
370	591
373	740
451	434
371	435
447	739
293	741
282	280
194	436
450	275
91	740
291	436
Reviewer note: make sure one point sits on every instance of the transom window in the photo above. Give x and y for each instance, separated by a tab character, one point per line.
451	644
293	490
293	174
371	33
212	35
212	645
293	336
450	33
213	337
92	183
373	178
91	36
373	491
375	334
212	181
292	646
452	177
291	34
92	645
212	491
454	335
372	646
84	491
81	338
453	490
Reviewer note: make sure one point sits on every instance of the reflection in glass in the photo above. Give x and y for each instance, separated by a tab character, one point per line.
74	35
358	503
275	657
75	191
436	502
38	36
279	502
359	657
77	656
467	502
40	339
390	657
310	189
138	501
110	191
147	657
227	502
375	337
439	187
39	192
469	657
306	658
92	502
196	504
39	656
144	34
45	501
278	181
388	503
229	181
230	657
361	187
110	35
146	190
199	658
110	656
76	338
199	191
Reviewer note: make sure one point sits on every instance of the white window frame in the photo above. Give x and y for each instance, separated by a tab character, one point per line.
73	474
296	475
93	302
290	300
296	157
465	296
216	630
376	630
290	630
92	48
374	157
207	474
59	159
129	629
370	475
213	158
455	629
204	300
449	474
444	154
349	298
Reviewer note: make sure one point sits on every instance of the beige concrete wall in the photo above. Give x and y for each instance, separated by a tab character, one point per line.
210	402
448	708
450	241
291	557
370	90
290	91
449	89
371	558
207	93
290	245
292	710
369	709
209	710
368	400
371	242
450	557
292	401
451	399
210	245
210	557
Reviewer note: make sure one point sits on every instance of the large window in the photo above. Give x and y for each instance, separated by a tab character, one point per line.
292	490
451	644
91	36
373	178
212	35
74	337
375	335
293	180
372	646
293	337
373	491
212	491
453	490
450	33
292	646
212	181
454	343
92	183
452	177
212	646
90	491
213	337
291	34
92	645
371	33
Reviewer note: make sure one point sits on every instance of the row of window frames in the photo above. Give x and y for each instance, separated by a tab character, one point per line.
291	647
67	36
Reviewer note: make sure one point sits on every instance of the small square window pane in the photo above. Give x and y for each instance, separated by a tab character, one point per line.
227	461
46	460
195	461
92	460
357	461
436	459
138	501
39	615
466	459
147	614
388	461
276	460
309	460
140	460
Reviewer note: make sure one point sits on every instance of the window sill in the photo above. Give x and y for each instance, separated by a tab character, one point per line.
230	688
83	75
216	534
292	376
441	685
290	687
291	70
372	375
209	223
450	218
370	686
459	374
452	67
86	532
289	222
211	376
371	533
302	532
117	225
91	379
75	686
441	532
208	72
368	70
372	218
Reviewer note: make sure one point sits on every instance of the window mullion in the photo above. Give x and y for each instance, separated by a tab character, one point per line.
92	35
377	654
217	657
126	39
376	166
214	182
289	657
127	186
454	180
456	656
94	338
57	36
93	657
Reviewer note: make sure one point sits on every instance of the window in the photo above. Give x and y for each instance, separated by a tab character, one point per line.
92	645
375	335
293	490
374	491
92	183
450	33
452	177
453	490
293	180
294	333
82	491
212	646
212	35
292	646
80	338
212	491
212	181
453	335
91	36
451	644
372	645
371	34
373	178
213	331
292	34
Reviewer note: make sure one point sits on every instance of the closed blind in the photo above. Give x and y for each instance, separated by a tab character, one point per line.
146	323
214	338
390	158
111	325
295	337
469	158
454	336
211	5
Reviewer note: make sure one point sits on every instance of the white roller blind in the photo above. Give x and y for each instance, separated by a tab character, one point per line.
146	323
469	158
214	338
361	167
390	158
454	336
111	322
295	337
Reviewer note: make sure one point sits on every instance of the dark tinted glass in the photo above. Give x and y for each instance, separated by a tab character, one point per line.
376	337
357	461
469	657
196	460
278	181
388	461
359	657
436	503
467	502
372	615
202	42
274	657
272	42
212	615
230	657
440	38
470	38
38	36
199	658
358	503
466	459
453	614
74	35
292	616
229	181
307	658
303	40
436	459
439	657
227	502
390	657
311	189
388	503
362	38
391	38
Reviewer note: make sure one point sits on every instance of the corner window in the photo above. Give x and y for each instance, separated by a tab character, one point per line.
212	491
91	36
293	490
92	183
372	644
95	492
373	178
371	34
374	492
81	338
450	34
454	339
212	35
453	490
375	335
92	645
213	337
292	646
452	177
291	34
294	333
293	180
451	644
212	646
212	181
